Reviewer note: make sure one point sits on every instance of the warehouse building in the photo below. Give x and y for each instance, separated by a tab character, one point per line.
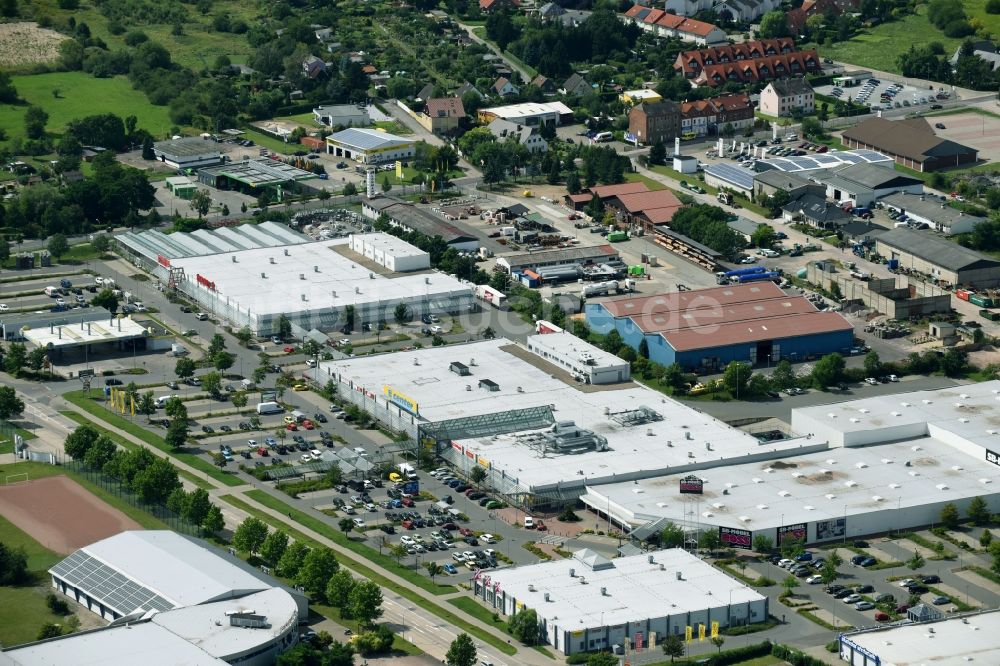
252	630
956	640
706	329
540	435
254	176
390	252
154	250
884	463
766	183
946	262
936	214
311	284
187	153
342	115
411	217
586	362
730	177
910	142
529	114
589	603
861	185
571	256
369	146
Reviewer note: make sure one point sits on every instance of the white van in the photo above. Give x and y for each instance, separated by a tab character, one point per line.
529	523
269	408
161	402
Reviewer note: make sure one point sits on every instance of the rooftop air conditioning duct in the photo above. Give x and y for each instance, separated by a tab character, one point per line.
651	559
531	588
357	290
468	387
304	297
663	567
371	276
520	389
315	269
427	280
680	576
234	258
687	434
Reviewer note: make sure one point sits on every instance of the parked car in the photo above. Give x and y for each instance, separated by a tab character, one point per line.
851	598
864	606
940	600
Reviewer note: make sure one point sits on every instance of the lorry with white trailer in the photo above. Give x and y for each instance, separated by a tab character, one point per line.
494	297
608	287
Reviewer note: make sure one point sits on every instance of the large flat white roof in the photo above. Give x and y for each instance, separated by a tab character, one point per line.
88	332
567	345
807	488
175	567
682	438
527	109
326	278
635	589
397	247
955	641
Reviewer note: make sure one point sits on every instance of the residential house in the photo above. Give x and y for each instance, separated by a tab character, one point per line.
665	24
983	49
543	83
487	6
324	35
796	18
442	114
550	11
707	116
467	88
784	97
504	88
815	211
313	67
426	92
743	11
575	85
647	95
654	123
747	62
504	130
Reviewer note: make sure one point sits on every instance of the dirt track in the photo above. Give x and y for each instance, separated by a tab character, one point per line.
60	514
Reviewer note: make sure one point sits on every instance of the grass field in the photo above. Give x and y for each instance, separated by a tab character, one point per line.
81	95
40	558
879	47
22	614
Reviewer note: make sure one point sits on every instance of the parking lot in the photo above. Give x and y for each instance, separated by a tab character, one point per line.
972	129
896	95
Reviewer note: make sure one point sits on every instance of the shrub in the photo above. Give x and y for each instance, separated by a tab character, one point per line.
56	605
993	7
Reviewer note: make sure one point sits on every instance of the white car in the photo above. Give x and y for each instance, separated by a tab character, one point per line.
749	260
469	556
358	523
343	341
489	552
785	562
3	307
871	380
306	457
436	329
815	579
906	582
252	443
315	453
458	557
406	540
488	538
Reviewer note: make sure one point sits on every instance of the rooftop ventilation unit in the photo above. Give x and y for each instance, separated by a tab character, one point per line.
302	276
547	597
371	276
604	591
649	558
680	575
270	260
304	297
572	572
234	258
357	290
315	269
263	276
286	251
531	588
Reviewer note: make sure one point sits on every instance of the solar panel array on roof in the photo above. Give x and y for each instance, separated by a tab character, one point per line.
365	139
731	174
823	160
107	586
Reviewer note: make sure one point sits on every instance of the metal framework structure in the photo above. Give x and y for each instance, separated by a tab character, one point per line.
487	425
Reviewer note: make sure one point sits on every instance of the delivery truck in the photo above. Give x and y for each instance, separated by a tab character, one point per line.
494	297
269	408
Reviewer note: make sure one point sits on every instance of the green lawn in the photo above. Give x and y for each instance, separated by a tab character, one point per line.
22	614
40	558
977	9
96	407
393	127
81	95
879	47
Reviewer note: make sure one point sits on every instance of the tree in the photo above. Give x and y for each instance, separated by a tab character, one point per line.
433	569
106	299
175	408
949	516
201	202
36	358
346	525
402	313
672	536
709	540
673	647
100	454
953	362
365	603
79	441
49	630
718	641
658	153
291	561
15	359
783	376
461	652
35	118
789	583
214	521
216	345
828	572
13	565
524	626
10	404
57	246
154	482
763	236
916	562
985	539
184	367
735	378
828	370
350	189
602	659
196	506
284	327
477	475
873	364
223	360
212	383
250	535
338	590
773	24
317	568
147	404
978	512
763	543
274	546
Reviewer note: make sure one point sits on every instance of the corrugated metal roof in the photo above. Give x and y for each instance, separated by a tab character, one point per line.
774	328
716	315
366	139
938	251
684	300
210	241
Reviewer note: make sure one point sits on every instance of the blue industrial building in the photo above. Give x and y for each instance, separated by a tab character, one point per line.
706	329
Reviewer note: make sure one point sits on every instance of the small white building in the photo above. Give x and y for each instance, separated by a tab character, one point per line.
863	184
954	641
583	360
187	152
588	602
393	253
782	97
344	115
370	146
928	210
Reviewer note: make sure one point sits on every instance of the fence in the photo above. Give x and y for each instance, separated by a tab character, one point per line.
120	491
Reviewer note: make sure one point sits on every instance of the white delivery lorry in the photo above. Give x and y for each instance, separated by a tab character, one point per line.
494	297
269	408
161	402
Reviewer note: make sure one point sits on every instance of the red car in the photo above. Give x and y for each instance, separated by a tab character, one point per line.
881	617
289	350
450	526
407	502
465	531
262	452
407	524
307	424
540	526
291	426
574	216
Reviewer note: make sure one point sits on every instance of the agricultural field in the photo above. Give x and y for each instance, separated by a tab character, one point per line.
25	44
879	47
80	94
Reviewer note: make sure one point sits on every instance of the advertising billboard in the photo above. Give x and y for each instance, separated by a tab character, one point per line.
736	538
789	532
831	529
401	400
992	457
692	485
